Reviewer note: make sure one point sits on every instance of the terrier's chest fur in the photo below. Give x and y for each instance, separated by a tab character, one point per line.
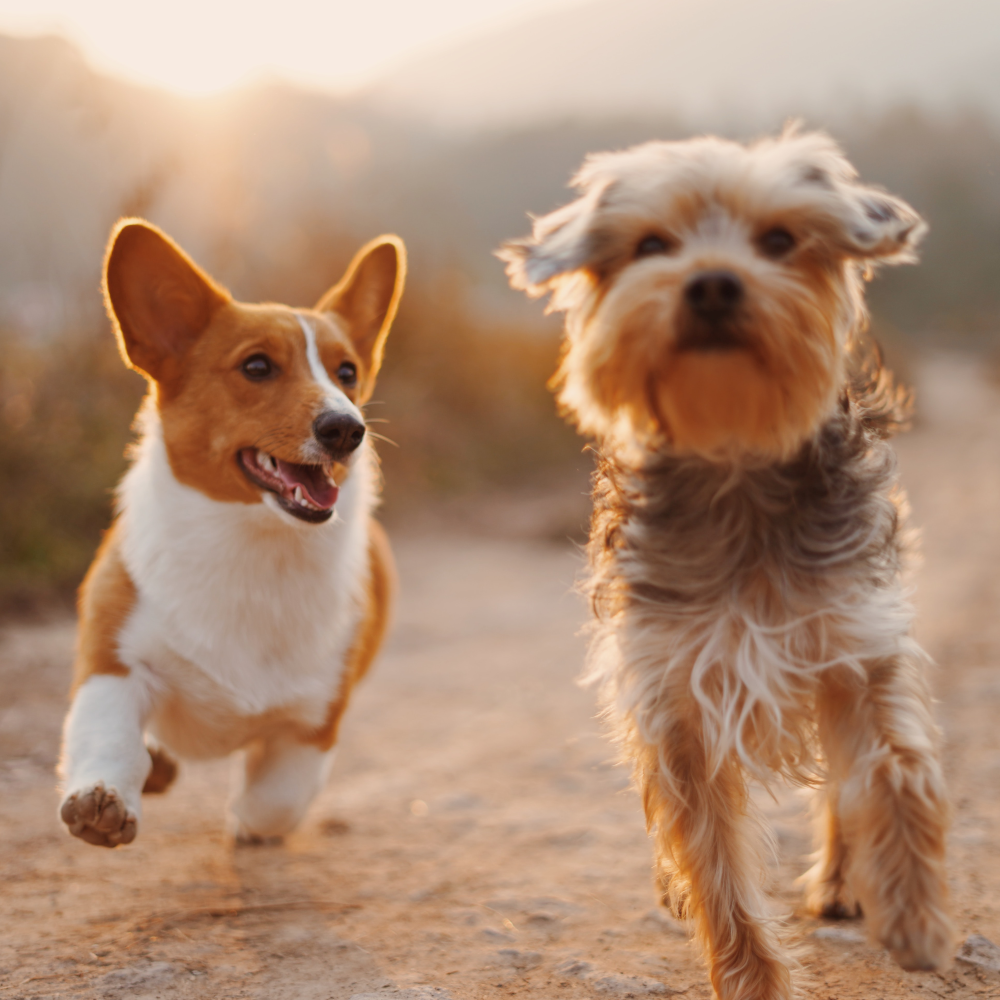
739	587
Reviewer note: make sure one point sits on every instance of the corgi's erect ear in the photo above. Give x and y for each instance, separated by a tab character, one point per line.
158	298
367	296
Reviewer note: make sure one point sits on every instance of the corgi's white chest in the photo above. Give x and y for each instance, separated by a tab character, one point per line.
263	607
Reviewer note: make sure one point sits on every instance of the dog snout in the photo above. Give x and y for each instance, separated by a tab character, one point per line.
338	433
714	294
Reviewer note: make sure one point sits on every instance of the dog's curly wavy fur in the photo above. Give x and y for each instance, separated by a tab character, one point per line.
750	617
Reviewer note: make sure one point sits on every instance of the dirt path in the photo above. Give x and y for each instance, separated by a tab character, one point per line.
475	839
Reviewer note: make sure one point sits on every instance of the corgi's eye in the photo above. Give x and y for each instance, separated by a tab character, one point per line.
258	367
776	243
650	245
347	373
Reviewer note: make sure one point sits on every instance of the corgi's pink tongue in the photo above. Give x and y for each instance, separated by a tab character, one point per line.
315	485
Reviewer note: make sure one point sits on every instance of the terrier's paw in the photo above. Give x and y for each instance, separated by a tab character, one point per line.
674	892
920	940
99	816
751	970
832	900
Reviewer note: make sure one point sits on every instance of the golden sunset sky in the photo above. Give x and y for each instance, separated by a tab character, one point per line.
204	46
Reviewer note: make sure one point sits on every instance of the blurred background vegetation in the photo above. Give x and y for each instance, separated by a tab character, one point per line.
273	188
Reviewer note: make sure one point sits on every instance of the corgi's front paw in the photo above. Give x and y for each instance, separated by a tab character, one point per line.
99	816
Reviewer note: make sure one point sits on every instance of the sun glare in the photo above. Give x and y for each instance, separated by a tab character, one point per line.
201	47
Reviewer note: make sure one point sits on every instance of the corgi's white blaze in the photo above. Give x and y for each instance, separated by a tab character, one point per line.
239	613
336	398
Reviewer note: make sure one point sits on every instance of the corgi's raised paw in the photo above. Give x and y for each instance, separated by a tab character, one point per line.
98	816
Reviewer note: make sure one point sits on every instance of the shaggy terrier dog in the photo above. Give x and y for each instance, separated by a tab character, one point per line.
748	531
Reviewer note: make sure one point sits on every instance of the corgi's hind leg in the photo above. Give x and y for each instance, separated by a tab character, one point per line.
163	772
281	776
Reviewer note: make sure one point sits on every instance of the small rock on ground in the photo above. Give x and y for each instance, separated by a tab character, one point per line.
841	935
521	960
411	993
613	984
980	951
138	976
575	967
494	935
656	918
628	986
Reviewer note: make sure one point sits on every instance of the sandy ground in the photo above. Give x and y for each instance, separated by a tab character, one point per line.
476	839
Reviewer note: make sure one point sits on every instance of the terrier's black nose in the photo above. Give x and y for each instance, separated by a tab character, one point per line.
338	433
714	294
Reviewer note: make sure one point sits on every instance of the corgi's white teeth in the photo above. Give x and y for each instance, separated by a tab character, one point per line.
304	500
266	462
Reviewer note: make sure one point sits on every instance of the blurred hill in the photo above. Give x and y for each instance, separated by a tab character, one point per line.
78	150
263	184
273	188
716	62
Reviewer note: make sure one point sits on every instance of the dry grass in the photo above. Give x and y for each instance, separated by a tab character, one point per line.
464	408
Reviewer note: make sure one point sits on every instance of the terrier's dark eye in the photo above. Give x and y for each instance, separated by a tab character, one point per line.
258	367
347	373
776	243
650	245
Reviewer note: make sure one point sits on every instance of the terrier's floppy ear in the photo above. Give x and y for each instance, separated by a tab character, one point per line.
367	297
877	226
560	242
870	224
159	300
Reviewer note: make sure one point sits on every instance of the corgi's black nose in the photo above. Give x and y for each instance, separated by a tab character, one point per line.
338	433
714	294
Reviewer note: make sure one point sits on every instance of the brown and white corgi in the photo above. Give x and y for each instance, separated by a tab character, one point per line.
243	588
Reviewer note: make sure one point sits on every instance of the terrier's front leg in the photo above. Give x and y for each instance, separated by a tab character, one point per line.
104	759
827	892
710	863
281	778
893	808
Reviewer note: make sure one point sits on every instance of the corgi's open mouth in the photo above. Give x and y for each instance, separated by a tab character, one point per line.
305	491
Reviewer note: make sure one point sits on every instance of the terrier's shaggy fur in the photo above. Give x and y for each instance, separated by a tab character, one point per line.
748	529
